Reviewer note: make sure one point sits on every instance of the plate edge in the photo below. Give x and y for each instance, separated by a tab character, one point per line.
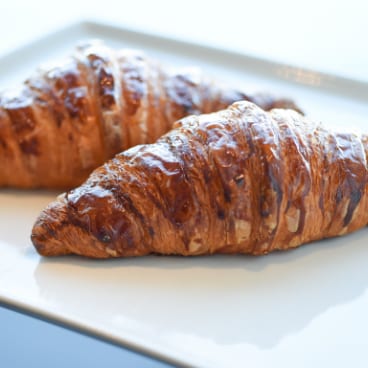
307	78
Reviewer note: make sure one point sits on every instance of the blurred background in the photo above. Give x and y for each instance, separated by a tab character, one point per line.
325	35
328	36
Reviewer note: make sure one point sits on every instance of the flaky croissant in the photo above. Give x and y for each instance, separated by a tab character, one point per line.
67	120
238	181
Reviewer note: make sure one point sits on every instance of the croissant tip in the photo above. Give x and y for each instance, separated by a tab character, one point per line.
40	238
54	234
45	231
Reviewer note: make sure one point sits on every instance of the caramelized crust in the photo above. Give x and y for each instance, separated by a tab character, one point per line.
241	180
67	120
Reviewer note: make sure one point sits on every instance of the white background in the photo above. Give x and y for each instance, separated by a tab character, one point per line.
324	35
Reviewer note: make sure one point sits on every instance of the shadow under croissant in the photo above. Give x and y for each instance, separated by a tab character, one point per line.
255	300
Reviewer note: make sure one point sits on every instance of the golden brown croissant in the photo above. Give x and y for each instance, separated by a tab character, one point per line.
238	181
67	120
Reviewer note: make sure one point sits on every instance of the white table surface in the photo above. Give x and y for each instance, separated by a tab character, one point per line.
329	36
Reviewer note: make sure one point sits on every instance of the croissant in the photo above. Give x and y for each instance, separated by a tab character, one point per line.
241	180
70	118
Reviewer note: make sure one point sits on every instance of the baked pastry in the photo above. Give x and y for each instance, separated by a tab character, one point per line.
241	180
70	118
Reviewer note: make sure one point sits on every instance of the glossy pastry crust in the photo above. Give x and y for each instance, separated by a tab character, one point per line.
70	118
238	181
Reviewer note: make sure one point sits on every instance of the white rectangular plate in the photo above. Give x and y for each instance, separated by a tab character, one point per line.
306	307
